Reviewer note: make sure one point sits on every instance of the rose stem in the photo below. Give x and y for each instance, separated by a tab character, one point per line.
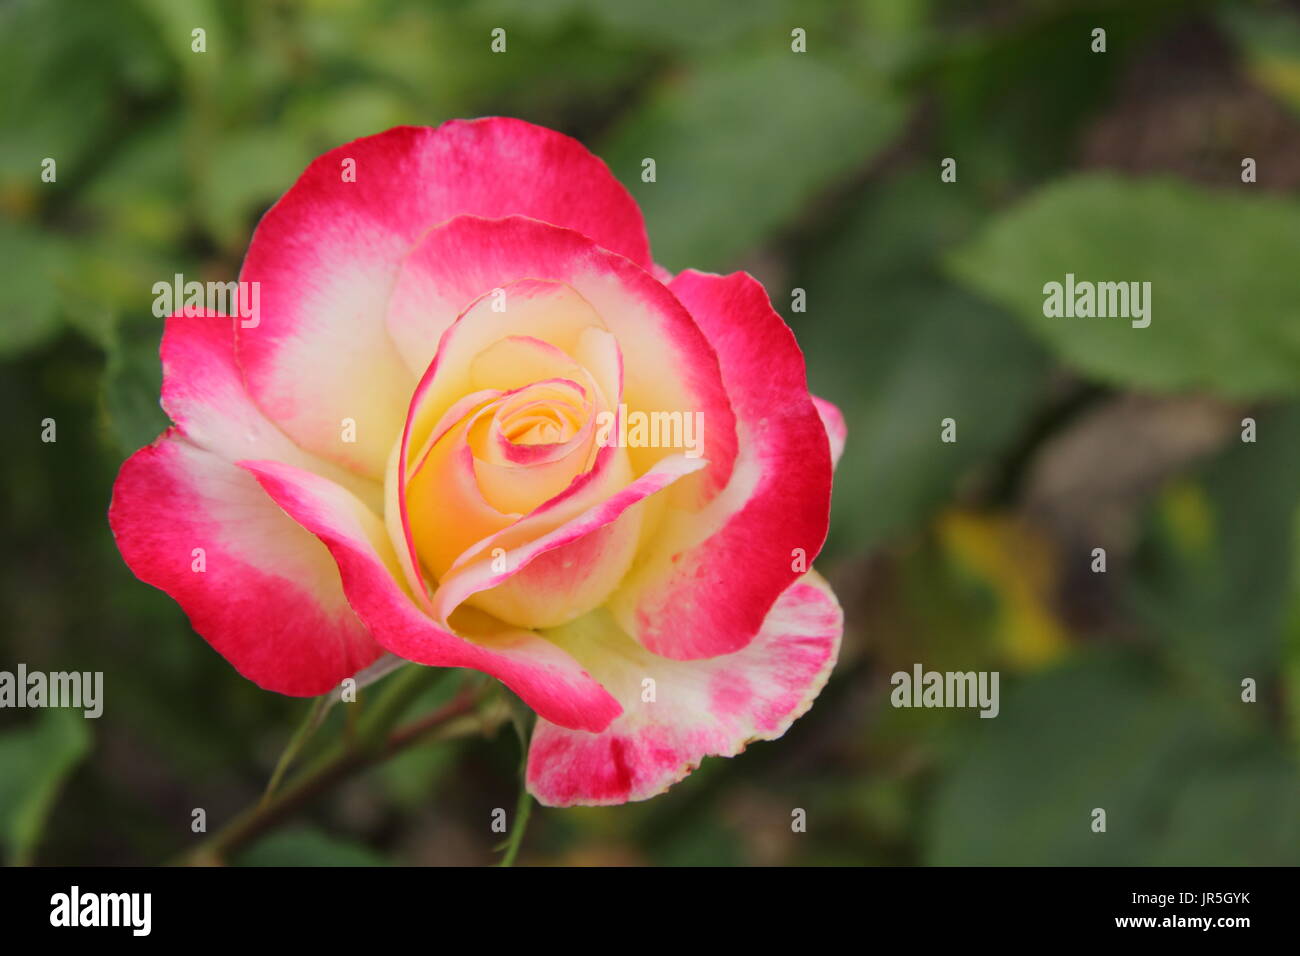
336	765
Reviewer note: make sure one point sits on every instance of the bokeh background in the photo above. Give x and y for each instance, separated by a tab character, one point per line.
818	171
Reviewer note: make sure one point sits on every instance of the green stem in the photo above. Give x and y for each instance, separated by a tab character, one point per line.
523	720
300	737
369	739
523	810
455	719
399	691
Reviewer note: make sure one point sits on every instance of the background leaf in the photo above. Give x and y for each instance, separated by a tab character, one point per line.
1101	734
1225	313
1215	583
794	123
29	298
303	846
1270	40
899	348
35	760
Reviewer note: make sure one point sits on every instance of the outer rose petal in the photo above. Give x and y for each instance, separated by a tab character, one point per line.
836	431
701	708
547	678
269	599
327	253
203	393
710	576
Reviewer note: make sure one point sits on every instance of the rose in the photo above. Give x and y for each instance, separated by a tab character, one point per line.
417	448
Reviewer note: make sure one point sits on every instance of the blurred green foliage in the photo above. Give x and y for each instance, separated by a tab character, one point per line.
36	760
1222	265
817	171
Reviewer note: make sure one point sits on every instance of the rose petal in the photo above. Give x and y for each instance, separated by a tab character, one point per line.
434	454
668	365
327	254
580	558
203	393
700	708
836	431
517	478
548	311
446	510
269	599
547	678
707	583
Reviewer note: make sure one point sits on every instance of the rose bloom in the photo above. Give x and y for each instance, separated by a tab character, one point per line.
409	451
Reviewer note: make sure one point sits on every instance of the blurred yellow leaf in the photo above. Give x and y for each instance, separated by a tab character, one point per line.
1020	567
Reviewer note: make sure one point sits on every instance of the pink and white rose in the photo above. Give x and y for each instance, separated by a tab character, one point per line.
404	455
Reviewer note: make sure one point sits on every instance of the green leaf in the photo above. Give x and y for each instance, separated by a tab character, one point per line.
1225	293
1270	42
29	295
412	778
684	24
255	167
1013	94
741	147
926	355
704	843
139	196
1291	642
1215	572
308	847
34	762
1176	785
132	387
63	68
899	349
1242	811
